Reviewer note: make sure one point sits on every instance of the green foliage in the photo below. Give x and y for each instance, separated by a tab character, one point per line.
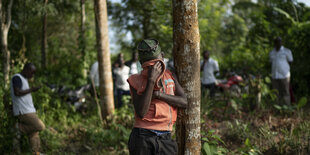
67	130
142	19
211	143
249	149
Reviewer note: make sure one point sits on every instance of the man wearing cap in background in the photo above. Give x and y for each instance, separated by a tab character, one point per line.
281	58
156	95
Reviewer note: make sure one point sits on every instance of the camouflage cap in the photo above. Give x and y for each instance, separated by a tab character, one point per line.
148	49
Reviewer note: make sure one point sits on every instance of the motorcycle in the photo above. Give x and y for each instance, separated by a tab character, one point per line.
75	97
231	86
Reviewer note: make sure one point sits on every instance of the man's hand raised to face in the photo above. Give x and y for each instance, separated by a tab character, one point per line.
154	71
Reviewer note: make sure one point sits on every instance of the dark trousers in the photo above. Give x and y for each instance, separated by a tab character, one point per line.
145	142
283	88
211	87
120	94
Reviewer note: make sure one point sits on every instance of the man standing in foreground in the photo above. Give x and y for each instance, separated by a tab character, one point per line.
281	58
156	95
23	108
209	67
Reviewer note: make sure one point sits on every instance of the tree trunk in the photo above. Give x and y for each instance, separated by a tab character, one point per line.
146	23
186	52
105	71
82	41
5	23
44	38
83	19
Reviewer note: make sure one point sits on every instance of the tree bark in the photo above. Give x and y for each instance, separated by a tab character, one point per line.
44	37
105	71
186	52
82	41
5	23
83	19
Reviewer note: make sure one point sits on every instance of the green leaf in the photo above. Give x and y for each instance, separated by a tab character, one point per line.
206	149
247	143
302	102
234	105
267	79
277	107
285	14
205	139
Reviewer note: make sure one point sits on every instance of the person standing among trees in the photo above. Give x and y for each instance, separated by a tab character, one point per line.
281	58
156	95
121	73
23	107
133	64
209	67
94	74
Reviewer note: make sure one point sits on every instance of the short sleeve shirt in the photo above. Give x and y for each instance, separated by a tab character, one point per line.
121	76
208	71
280	62
94	75
21	104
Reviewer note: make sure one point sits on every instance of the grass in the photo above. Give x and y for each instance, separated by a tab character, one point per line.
227	127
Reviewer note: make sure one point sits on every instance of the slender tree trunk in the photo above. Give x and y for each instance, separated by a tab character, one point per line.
146	24
83	19
186	52
105	71
44	38
82	41
5	23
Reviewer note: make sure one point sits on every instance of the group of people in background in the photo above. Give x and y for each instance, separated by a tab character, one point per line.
280	57
121	71
169	91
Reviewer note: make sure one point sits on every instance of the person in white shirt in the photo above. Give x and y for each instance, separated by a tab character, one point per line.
281	58
209	67
23	107
121	74
134	63
94	74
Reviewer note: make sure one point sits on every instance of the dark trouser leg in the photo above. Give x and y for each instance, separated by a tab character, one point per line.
285	91
167	145
140	144
212	89
147	143
276	86
203	90
119	98
120	94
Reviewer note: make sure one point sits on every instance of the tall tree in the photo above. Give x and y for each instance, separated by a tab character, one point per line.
186	52
5	23
44	37
83	19
104	61
82	43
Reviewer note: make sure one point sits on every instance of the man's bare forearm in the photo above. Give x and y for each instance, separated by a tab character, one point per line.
142	102
19	92
175	101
